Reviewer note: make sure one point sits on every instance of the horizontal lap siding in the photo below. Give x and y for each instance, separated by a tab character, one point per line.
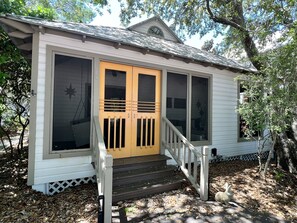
225	119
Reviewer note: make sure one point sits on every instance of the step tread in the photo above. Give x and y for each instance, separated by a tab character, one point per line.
148	184
144	171
147	189
117	163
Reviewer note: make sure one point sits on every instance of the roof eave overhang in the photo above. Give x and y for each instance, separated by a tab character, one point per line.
122	45
21	34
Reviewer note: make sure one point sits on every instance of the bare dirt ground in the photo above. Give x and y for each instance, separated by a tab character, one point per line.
255	200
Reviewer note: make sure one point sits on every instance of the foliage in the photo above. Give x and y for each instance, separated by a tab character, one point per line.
65	10
278	175
208	45
272	97
14	90
237	21
15	69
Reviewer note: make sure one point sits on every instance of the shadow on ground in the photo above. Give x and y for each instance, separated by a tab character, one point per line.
219	213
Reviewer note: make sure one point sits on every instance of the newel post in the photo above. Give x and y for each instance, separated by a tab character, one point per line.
204	173
108	188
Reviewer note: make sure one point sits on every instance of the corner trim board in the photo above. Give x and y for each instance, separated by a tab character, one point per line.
33	111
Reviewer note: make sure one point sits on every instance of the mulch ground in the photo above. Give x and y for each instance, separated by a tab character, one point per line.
273	199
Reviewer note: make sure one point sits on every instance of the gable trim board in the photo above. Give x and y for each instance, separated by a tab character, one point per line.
223	100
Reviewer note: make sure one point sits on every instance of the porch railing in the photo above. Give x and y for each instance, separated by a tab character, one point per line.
103	168
183	152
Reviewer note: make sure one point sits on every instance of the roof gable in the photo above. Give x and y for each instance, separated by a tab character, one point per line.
154	25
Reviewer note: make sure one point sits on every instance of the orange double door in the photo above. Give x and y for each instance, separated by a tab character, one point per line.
129	109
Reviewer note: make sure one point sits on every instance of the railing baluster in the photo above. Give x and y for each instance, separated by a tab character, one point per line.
171	138
174	143
195	168
184	156
179	148
120	133
108	138
114	132
151	142
146	132
189	161
167	134
141	131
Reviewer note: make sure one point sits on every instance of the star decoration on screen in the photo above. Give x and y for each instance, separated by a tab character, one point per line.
70	91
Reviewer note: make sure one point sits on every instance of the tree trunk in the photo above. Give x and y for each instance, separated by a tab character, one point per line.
269	155
6	133
4	147
286	151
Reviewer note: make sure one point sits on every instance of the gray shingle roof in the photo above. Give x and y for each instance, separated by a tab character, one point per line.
135	39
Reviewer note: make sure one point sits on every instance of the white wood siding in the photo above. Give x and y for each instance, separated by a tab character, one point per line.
224	117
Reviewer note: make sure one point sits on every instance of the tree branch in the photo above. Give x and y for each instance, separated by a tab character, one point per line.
238	23
222	20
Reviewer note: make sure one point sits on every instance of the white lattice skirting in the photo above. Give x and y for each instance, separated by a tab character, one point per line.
59	186
246	157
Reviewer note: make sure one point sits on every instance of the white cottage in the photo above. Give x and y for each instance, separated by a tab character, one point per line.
122	93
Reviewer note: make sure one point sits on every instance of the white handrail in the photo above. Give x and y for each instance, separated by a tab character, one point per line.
103	168
184	153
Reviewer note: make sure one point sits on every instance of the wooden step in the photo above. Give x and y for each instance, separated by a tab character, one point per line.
146	188
142	174
134	163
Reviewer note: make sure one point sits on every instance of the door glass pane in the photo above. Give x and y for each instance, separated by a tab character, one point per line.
115	91
176	102
71	103
199	119
146	93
